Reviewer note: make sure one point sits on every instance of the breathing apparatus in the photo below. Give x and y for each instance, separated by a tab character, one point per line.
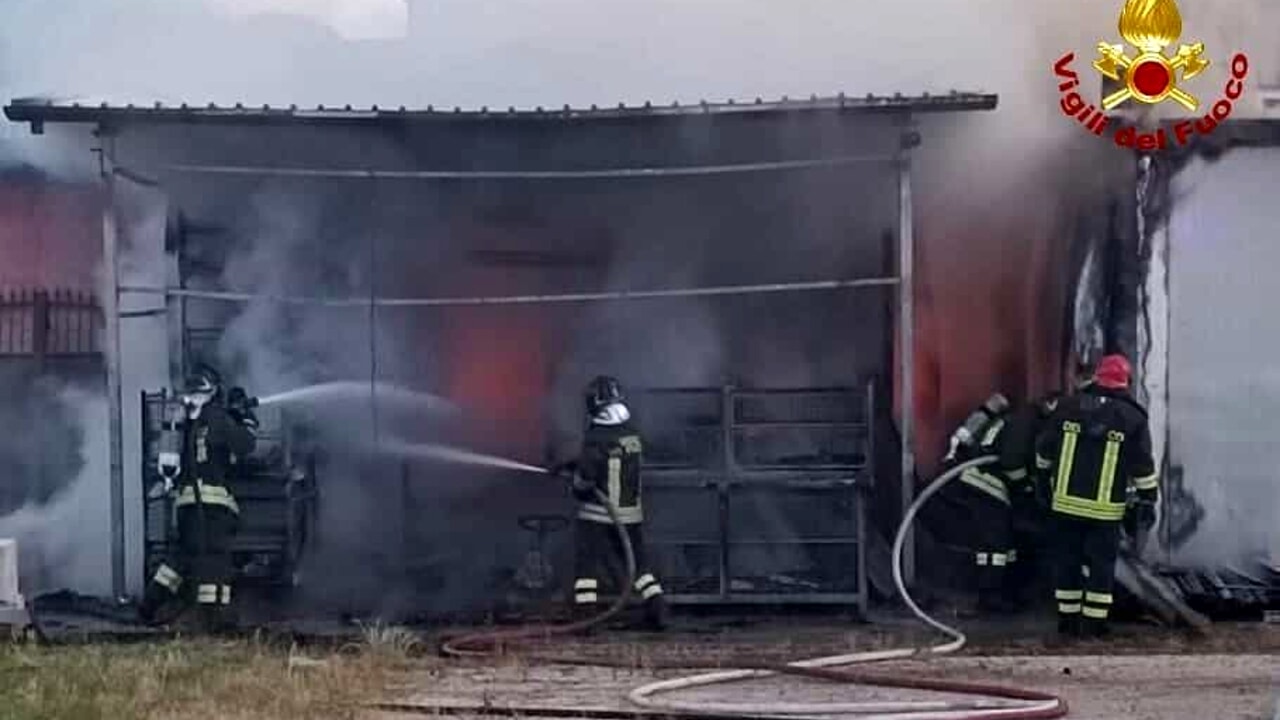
966	435
169	460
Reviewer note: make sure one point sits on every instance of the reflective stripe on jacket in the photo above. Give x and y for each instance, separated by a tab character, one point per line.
610	463
209	495
1096	445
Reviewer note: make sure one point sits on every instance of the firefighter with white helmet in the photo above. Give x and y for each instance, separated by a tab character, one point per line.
610	463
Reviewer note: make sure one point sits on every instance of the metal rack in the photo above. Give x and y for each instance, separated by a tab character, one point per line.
758	496
276	492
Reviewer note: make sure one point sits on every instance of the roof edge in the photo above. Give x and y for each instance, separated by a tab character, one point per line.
38	112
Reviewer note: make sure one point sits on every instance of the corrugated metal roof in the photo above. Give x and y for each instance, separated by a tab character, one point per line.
38	111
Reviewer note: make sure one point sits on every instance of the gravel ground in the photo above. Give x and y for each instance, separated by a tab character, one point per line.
1142	673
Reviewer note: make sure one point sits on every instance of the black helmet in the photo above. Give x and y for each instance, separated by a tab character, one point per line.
203	381
1048	404
602	392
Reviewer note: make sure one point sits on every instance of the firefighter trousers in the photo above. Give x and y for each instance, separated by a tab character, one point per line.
987	523
600	564
200	567
1084	567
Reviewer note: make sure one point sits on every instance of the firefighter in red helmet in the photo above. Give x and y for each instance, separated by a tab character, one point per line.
1095	449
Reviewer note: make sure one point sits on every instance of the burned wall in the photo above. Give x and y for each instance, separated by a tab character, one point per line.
991	289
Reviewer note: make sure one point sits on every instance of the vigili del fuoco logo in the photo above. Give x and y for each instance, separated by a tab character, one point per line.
1146	74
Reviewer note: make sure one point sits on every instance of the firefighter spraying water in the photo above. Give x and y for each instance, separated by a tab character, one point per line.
202	444
609	464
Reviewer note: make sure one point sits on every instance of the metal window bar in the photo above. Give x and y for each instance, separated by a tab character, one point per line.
49	323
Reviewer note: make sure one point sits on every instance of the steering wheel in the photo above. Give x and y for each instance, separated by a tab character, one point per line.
543	524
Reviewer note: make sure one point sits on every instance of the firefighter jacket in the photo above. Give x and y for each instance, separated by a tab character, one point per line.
1011	436
1018	441
213	444
610	463
990	480
1094	446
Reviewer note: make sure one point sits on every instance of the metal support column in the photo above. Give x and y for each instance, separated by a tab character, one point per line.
906	345
111	317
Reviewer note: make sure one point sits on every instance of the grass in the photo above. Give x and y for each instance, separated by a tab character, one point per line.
216	680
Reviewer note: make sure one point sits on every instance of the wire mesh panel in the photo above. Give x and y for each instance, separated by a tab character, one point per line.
768	508
794	538
682	428
683	533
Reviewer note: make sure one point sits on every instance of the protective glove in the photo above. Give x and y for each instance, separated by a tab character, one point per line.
239	403
1138	519
565	470
1144	515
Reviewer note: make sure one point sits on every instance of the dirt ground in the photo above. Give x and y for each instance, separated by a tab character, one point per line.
1233	672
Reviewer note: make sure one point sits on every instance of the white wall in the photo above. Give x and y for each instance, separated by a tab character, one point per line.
144	345
1224	345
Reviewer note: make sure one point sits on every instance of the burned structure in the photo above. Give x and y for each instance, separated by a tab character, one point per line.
738	265
499	258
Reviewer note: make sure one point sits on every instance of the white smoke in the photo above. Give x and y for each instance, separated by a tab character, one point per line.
65	541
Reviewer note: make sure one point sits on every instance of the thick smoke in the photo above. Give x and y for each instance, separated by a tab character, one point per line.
61	526
991	186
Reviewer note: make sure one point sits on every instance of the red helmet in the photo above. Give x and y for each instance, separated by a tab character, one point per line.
1113	372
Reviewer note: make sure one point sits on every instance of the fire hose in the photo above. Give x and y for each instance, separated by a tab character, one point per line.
1032	704
481	644
1002	703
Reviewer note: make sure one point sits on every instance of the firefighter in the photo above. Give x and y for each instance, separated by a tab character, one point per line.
982	497
1094	448
1027	516
214	433
610	463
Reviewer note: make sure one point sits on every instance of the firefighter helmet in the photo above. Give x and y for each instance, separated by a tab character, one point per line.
602	392
1113	372
203	381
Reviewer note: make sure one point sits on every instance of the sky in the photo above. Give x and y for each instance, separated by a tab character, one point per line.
350	19
531	52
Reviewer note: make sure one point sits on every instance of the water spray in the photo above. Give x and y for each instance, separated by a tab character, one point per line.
347	389
429	451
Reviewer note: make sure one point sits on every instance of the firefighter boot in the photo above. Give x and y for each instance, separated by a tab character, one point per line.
581	613
217	620
1095	629
655	613
153	599
1068	627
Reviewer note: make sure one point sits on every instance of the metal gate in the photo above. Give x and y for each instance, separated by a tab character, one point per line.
758	496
